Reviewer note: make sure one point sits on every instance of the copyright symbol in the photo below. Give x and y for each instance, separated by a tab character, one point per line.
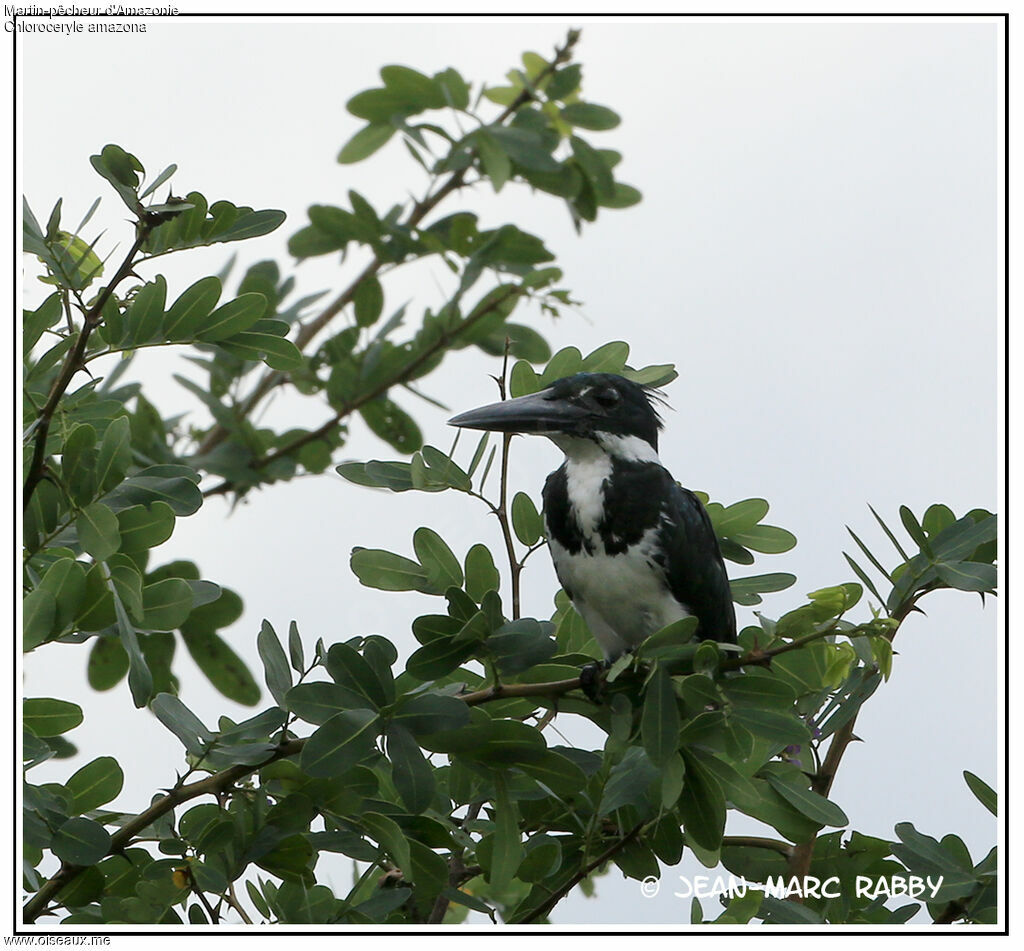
649	887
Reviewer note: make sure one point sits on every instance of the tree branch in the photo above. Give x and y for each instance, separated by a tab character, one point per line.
443	341
417	213
222	781
821	782
74	361
559	893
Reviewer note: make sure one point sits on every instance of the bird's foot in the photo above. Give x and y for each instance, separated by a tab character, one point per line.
592	679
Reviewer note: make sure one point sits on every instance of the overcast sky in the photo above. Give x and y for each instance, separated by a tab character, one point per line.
816	252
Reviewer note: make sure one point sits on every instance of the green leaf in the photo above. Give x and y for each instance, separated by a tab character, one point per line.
437	560
317	702
481	574
277	352
98	531
365	142
962	539
352	671
390	837
982	791
672	641
119	168
748	590
36	322
145	314
108	663
251	224
39	613
170	484
376	568
525	147
233	317
368	301
277	673
628	781
766	539
701	805
409	84
182	722
507	847
78	463
391	423
623	196
792	786
594	167
47	717
189	312
413	776
738	517
95	784
565	362
220	664
914	530
166	604
968	575
442	469
559	773
659	722
751	690
80	842
496	164
454	88
438	658
143	527
735	786
295	653
340	743
431	713
520	645
564	82
114	455
586	115
526	520
157	182
780	728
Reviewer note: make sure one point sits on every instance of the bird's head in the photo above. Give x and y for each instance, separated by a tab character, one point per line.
605	408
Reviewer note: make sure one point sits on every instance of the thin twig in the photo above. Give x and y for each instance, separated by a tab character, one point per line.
821	782
226	779
74	360
233	902
417	213
559	893
347	409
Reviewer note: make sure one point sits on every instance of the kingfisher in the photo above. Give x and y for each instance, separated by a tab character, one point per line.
632	548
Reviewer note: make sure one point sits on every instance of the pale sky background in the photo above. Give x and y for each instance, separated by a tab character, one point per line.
816	252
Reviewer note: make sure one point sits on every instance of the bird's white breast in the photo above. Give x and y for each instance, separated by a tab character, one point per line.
585	476
623	597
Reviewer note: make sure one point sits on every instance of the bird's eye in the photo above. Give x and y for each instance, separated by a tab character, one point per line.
607	397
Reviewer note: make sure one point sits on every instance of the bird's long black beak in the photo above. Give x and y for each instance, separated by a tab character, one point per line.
536	413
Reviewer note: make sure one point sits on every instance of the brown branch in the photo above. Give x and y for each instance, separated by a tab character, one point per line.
504	691
74	360
515	567
821	782
123	838
222	781
417	213
443	340
559	893
233	902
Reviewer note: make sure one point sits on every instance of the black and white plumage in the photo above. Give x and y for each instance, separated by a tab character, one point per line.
633	549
